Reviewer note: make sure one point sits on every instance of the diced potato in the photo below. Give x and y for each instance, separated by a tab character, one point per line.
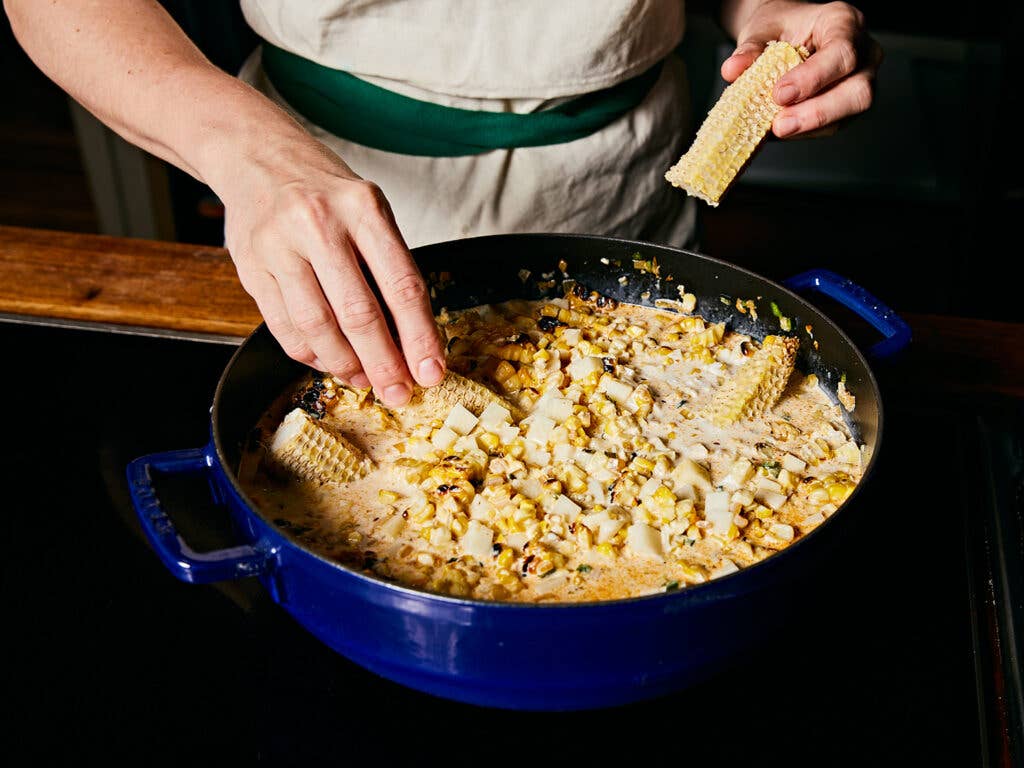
554	407
585	366
536	456
738	475
516	540
689	472
615	389
444	438
565	507
762	483
848	453
530	487
478	540
480	508
793	464
644	540
540	429
464	444
771	499
508	433
724	568
461	420
392	527
698	452
494	416
716	512
647	489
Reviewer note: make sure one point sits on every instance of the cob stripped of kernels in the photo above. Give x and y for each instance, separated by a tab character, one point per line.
758	384
458	390
735	126
307	448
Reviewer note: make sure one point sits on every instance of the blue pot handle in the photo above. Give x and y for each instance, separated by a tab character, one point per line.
852	296
185	563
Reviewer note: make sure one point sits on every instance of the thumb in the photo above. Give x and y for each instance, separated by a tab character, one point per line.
744	55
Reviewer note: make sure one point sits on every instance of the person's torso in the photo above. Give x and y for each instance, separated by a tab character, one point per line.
477	49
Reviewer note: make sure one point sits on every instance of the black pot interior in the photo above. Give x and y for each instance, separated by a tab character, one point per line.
474	271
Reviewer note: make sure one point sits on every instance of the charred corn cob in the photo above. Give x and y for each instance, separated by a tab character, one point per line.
458	390
758	384
735	126
307	448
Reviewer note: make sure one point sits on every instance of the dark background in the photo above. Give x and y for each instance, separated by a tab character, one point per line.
916	200
107	655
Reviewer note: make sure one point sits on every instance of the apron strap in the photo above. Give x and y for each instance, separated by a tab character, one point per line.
367	114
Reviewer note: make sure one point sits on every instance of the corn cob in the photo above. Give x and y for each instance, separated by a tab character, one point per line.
758	384
310	450
458	390
735	126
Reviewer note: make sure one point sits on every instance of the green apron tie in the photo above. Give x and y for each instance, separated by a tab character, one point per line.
367	114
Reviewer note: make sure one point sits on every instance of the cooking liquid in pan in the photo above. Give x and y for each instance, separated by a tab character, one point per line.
625	495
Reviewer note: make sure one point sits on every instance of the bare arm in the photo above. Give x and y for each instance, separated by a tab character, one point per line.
298	220
835	82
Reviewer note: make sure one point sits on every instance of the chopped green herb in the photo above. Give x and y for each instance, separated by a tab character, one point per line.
725	300
671	586
548	573
584	568
842	379
773	468
682	403
785	323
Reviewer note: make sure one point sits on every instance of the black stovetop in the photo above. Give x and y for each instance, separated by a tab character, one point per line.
908	659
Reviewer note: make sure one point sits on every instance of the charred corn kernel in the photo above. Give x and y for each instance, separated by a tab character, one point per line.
663	497
503	372
388	497
692	324
508	580
505	557
733	532
837	492
818	494
309	449
489	441
758	384
425	513
643	465
691	574
607	549
707	337
459	524
570	316
735	126
519	353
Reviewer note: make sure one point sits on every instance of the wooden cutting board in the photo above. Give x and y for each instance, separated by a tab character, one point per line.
192	291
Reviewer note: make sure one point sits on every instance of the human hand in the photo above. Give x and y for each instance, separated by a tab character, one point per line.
300	224
835	82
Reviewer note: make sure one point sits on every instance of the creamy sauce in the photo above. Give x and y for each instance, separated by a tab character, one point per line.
609	500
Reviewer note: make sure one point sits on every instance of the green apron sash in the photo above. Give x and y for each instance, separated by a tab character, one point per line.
367	114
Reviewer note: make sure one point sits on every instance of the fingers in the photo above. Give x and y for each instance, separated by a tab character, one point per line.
404	291
836	57
362	320
304	267
744	55
312	317
849	97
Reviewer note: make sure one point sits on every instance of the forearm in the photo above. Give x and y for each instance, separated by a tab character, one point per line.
129	64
